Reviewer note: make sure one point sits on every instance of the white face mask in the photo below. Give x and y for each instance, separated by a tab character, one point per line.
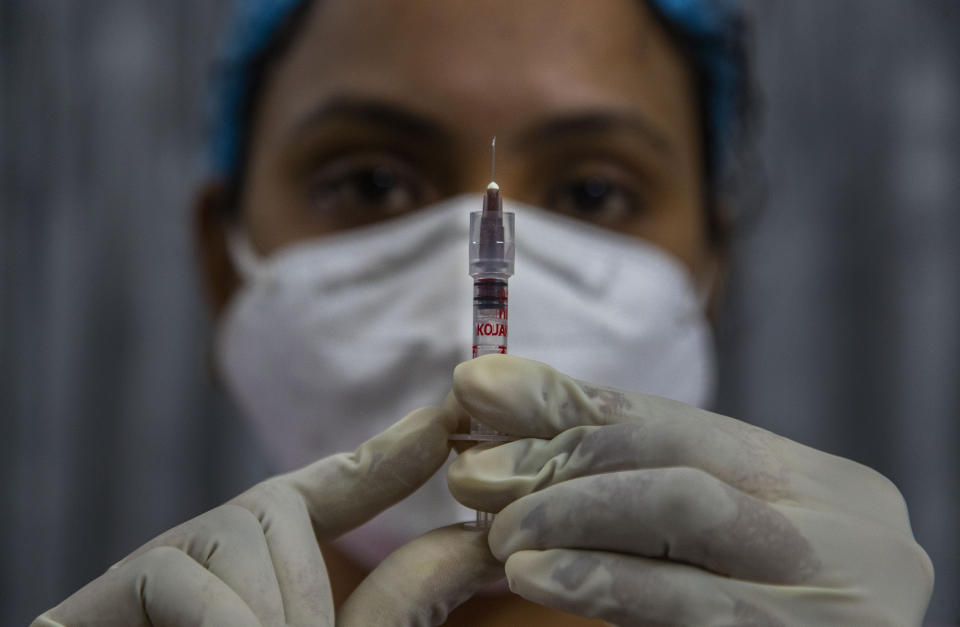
333	340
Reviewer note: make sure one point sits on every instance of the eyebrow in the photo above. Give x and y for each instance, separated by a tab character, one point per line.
377	113
597	122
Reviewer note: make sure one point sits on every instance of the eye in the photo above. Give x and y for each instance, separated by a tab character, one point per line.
367	187
595	197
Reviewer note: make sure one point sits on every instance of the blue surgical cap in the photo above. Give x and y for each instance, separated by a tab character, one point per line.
709	29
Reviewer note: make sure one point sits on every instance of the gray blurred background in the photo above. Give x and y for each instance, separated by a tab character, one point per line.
842	327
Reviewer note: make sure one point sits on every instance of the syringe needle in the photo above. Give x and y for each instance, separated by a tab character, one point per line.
493	158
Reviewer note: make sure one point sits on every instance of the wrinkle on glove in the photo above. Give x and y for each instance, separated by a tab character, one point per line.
638	509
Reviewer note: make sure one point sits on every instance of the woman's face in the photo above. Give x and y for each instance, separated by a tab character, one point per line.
377	109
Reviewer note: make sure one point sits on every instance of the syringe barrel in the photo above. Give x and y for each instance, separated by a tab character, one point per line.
490	317
492	249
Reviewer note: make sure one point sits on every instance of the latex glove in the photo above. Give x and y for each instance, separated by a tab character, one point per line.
638	509
256	560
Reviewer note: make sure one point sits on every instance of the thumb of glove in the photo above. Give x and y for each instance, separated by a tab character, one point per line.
424	580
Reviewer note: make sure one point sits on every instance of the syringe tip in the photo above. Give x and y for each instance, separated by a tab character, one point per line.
491	199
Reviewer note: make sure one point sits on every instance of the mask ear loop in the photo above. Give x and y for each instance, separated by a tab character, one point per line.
252	268
249	264
706	284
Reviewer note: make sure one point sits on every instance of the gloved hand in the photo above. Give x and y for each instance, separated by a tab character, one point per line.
256	560
637	509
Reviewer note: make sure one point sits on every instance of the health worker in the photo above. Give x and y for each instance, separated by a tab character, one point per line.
351	141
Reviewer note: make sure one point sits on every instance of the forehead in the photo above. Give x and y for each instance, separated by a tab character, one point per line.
484	67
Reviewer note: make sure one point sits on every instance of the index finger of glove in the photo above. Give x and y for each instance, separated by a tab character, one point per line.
531	399
345	490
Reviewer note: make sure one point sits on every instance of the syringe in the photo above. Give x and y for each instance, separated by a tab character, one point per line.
492	255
